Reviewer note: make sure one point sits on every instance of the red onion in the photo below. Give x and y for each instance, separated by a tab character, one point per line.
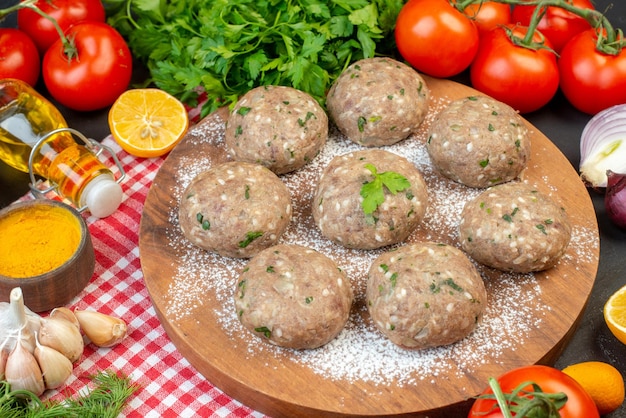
603	146
615	198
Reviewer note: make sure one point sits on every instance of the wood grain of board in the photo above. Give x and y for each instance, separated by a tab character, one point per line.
283	388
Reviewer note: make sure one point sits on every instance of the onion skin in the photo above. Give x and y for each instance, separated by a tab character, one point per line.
615	198
603	146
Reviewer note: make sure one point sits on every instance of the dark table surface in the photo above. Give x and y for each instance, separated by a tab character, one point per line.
560	122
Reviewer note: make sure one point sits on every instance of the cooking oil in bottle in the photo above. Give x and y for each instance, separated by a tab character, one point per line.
34	138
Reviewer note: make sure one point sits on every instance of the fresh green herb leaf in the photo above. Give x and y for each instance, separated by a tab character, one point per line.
106	399
373	192
226	47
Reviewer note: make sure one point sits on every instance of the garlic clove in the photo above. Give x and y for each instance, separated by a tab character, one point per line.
65	313
63	336
4	354
55	367
103	330
22	371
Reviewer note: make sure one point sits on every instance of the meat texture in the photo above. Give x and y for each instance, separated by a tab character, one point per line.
279	127
479	142
425	295
378	101
235	209
513	227
293	296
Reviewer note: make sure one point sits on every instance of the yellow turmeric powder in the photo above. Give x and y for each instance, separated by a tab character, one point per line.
36	240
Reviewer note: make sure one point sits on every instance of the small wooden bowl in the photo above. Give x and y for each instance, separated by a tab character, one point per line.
58	286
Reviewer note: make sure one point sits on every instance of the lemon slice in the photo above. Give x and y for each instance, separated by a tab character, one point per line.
615	314
147	122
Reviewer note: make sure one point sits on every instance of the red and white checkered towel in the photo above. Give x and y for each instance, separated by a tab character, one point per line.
170	386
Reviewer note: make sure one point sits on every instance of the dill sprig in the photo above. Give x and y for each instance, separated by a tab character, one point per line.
105	400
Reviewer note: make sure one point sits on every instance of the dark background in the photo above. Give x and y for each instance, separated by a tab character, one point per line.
559	121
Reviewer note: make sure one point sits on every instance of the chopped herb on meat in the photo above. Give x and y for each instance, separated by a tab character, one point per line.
267	333
250	236
509	218
243	110
242	288
394	279
361	121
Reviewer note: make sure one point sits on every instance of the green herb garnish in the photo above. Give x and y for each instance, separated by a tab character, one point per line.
106	399
373	192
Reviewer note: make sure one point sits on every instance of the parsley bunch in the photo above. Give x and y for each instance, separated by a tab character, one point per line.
227	47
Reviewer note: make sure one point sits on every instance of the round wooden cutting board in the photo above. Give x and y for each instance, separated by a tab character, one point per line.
529	319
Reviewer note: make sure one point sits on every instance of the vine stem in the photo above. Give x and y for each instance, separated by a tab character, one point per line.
68	46
610	40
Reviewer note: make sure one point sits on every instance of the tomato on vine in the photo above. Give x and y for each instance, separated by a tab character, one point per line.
593	71
66	13
521	73
544	391
90	69
556	24
435	38
488	14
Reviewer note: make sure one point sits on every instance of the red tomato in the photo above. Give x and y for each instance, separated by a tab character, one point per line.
523	78
19	57
99	73
579	404
488	14
66	13
592	80
435	38
558	25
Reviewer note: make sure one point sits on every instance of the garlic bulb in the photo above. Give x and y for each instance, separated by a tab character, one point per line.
103	330
22	371
63	336
55	367
17	322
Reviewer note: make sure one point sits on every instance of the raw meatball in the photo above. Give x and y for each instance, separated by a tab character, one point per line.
279	127
425	295
479	142
235	209
338	204
378	101
293	296
513	227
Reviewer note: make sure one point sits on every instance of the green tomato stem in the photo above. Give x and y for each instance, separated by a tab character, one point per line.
610	40
500	398
68	45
